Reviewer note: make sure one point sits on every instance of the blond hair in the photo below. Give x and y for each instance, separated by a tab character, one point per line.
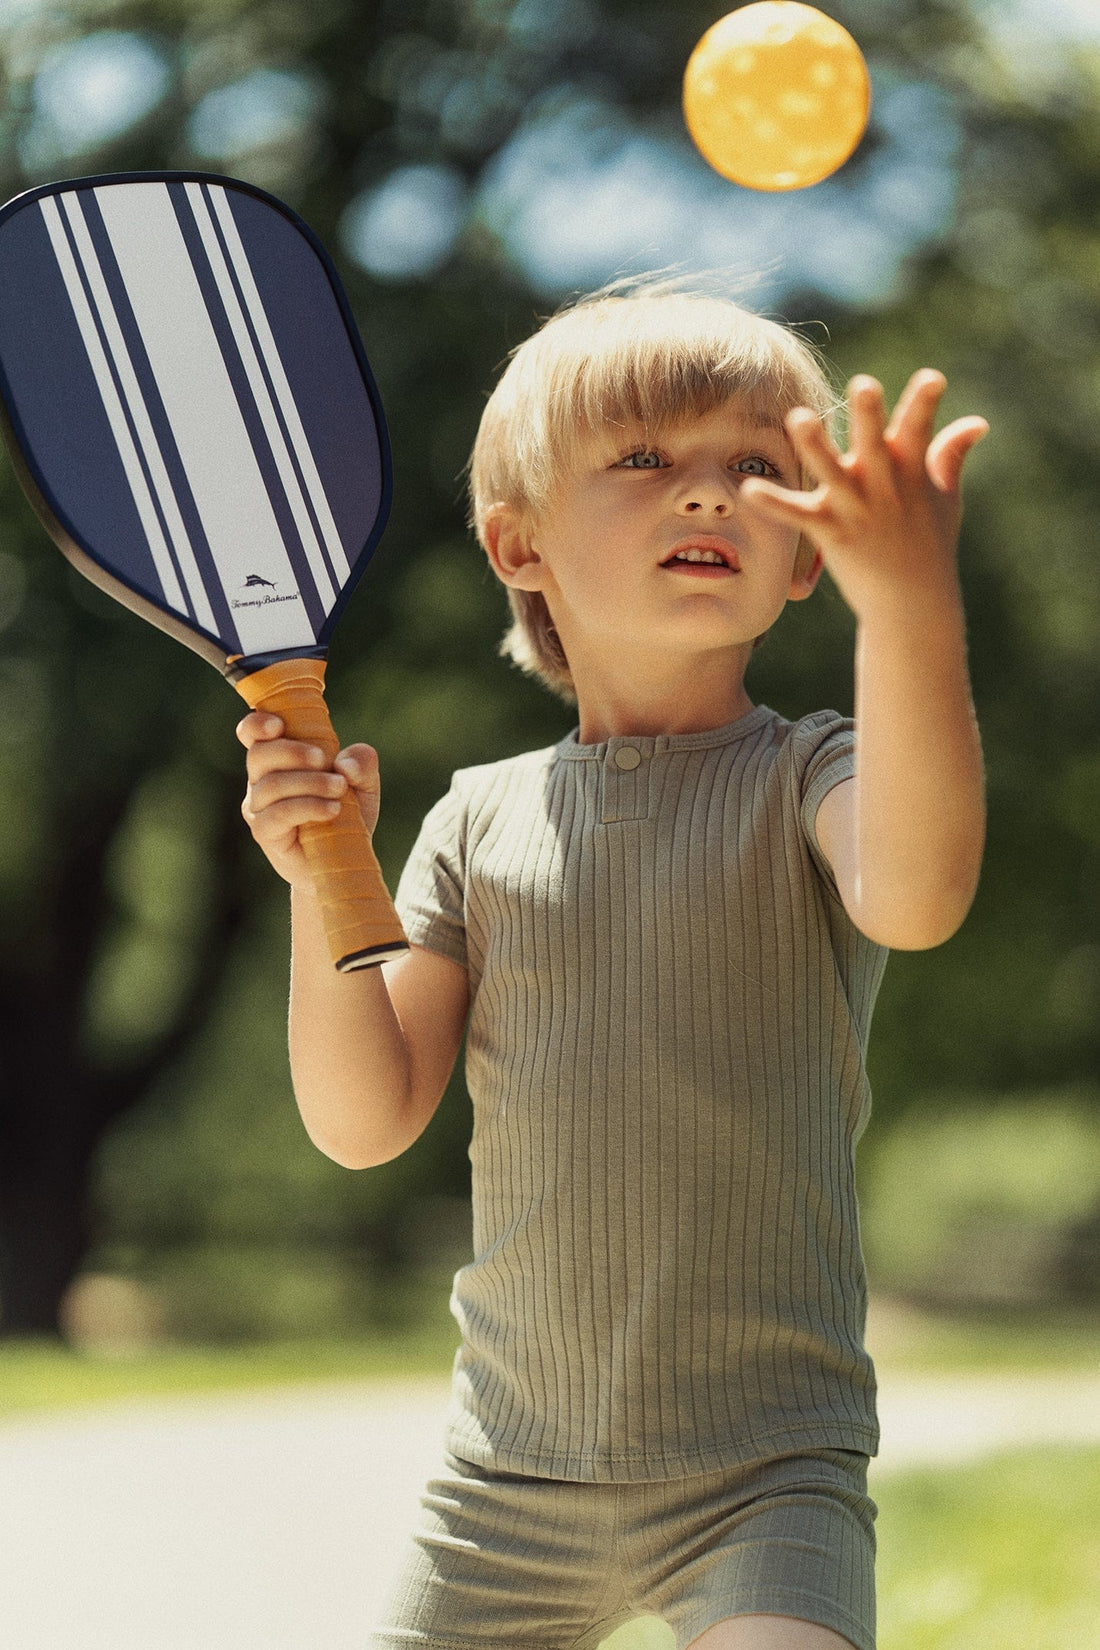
647	356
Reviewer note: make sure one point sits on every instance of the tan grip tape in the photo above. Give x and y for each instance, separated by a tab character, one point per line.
361	924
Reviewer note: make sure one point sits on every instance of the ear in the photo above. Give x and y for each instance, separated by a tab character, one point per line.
508	544
808	566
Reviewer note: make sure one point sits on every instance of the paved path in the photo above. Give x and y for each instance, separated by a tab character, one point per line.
271	1522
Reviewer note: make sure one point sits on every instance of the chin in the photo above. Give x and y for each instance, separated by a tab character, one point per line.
719	633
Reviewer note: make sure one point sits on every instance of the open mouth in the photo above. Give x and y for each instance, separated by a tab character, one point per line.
710	556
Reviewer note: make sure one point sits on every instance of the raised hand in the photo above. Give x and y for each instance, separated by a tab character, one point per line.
885	514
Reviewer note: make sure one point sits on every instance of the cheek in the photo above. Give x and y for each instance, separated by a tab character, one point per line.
785	543
593	563
592	581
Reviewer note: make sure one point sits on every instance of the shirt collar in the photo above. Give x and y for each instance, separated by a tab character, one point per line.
570	749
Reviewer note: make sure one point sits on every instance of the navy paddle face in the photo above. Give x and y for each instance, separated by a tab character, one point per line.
189	406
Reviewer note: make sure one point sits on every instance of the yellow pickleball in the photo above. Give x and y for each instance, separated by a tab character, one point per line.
776	95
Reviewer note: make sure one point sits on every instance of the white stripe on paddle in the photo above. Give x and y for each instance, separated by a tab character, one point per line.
287	404
108	393
207	424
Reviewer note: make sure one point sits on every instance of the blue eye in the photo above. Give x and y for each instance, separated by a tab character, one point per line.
764	470
644	459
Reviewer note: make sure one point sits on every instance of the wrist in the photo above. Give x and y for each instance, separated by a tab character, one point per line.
304	900
928	606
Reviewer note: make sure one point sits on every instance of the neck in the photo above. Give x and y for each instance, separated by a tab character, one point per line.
660	695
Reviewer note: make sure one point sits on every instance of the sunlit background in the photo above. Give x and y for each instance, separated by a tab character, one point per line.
472	163
580	188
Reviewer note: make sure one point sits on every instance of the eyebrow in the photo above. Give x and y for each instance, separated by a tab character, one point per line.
628	432
762	421
620	436
775	427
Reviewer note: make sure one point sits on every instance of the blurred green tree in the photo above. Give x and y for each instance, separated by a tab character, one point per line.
132	901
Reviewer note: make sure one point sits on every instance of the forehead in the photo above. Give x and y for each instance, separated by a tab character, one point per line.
737	418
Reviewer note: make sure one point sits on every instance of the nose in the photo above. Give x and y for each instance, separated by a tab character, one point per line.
707	492
696	506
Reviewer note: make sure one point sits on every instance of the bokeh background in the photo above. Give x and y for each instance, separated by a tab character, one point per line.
471	164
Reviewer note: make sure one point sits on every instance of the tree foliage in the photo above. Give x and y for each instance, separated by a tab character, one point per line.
142	954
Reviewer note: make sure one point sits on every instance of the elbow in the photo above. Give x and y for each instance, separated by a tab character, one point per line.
353	1153
347	1156
917	935
360	1140
344	1149
918	924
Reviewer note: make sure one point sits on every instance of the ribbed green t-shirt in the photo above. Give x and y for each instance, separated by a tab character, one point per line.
665	1053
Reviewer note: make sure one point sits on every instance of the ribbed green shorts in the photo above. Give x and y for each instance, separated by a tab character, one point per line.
535	1562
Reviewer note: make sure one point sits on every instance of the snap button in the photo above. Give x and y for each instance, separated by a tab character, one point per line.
627	757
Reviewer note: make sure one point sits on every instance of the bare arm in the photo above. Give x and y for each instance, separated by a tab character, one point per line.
905	837
370	1051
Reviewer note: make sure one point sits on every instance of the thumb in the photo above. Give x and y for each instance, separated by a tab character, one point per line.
948	451
359	765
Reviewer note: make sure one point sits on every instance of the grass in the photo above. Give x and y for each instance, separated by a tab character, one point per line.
1001	1555
38	1375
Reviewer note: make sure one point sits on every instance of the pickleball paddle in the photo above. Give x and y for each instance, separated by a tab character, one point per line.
190	410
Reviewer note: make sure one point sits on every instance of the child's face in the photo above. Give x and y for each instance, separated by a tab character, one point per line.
602	551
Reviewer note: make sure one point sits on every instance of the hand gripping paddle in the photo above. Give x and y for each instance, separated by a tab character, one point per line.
190	410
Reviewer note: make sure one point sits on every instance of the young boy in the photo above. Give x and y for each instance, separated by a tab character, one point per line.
667	931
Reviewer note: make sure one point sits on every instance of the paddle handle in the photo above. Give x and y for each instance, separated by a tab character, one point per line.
361	923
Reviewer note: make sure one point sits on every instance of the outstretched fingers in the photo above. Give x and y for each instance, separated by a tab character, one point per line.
948	451
784	505
866	420
814	446
818	457
913	422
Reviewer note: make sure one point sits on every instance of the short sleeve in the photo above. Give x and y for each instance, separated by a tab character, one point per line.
430	896
826	753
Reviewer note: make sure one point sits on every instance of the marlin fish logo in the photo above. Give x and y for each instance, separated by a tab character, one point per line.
254	579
